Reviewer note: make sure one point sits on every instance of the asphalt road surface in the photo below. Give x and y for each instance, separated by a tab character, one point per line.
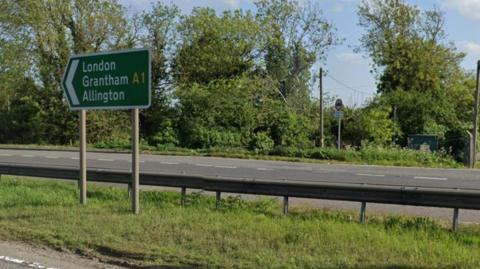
16	255
276	171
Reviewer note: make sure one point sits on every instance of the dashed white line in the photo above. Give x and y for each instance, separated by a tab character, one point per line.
370	175
25	263
105	160
203	165
226	167
138	161
75	158
51	157
264	169
5	155
432	178
28	156
170	163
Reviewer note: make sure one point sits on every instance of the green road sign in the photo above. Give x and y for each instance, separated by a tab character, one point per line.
110	80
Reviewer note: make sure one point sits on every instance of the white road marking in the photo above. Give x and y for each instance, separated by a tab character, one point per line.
5	155
432	178
51	157
105	160
203	165
171	163
75	158
25	263
296	168
226	167
138	161
28	156
264	169
370	175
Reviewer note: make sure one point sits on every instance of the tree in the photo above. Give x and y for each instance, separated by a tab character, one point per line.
294	37
159	33
50	32
417	70
215	47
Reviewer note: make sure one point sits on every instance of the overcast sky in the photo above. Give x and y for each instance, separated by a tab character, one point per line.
354	82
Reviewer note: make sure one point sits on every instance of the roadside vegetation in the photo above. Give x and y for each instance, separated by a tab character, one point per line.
239	81
242	234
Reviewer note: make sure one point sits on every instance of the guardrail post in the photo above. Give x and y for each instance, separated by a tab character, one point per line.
129	187
285	205
183	198
455	219
219	200
363	209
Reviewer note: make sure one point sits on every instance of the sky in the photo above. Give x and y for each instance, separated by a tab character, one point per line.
349	75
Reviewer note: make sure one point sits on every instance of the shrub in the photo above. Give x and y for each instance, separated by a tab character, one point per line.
261	142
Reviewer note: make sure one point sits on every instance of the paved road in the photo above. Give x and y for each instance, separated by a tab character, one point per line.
265	170
16	255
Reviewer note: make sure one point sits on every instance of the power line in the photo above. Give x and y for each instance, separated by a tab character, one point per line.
355	86
345	85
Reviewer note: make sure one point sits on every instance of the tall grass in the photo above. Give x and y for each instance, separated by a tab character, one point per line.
242	234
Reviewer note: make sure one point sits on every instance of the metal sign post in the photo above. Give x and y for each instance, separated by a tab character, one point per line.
339	133
109	80
83	157
135	162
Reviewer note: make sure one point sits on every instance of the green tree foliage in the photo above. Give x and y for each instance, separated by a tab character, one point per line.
293	37
159	28
221	113
419	72
241	76
215	47
369	125
234	79
50	31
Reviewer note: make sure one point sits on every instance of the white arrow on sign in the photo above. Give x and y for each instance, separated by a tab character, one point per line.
69	84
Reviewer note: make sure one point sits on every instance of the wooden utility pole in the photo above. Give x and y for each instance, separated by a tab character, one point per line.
475	116
321	108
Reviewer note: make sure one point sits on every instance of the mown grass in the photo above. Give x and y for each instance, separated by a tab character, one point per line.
242	234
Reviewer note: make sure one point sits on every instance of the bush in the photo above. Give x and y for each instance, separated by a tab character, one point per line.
165	137
116	143
214	138
261	143
371	155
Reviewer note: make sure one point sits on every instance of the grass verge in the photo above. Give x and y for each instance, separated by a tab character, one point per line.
243	234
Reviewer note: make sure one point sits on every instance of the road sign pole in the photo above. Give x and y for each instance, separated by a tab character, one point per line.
83	157
135	162
339	140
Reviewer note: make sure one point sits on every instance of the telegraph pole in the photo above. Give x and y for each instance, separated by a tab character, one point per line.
475	116
321	108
